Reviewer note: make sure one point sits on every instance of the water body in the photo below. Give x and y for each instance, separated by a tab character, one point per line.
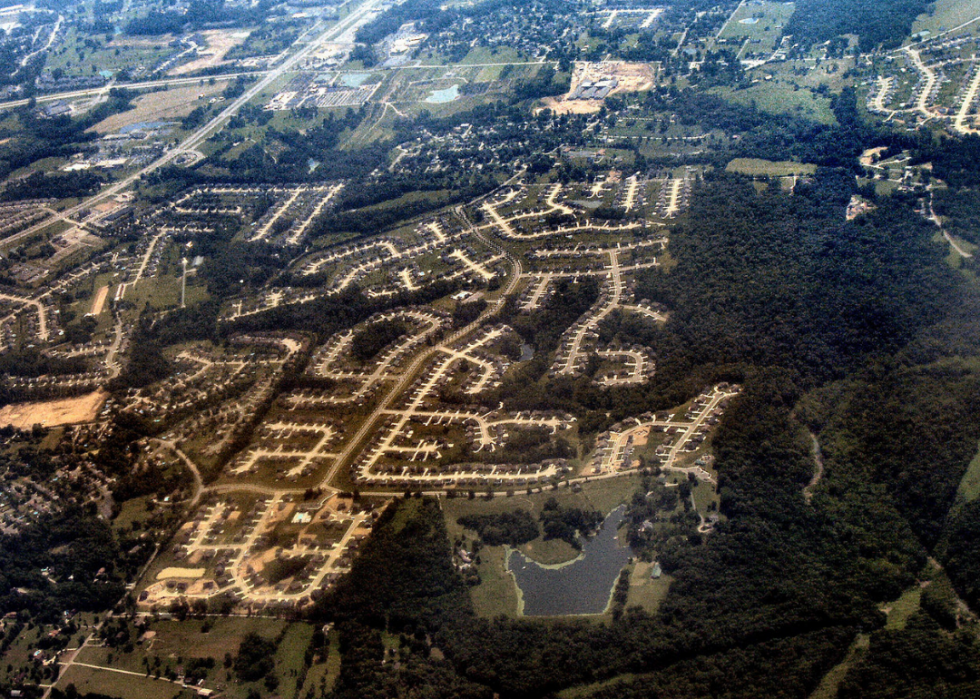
354	79
749	20
582	586
443	96
146	126
527	352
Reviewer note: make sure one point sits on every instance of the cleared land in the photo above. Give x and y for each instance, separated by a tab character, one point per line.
220	42
180	573
159	106
970	485
631	77
126	686
946	14
99	302
757	167
66	411
759	21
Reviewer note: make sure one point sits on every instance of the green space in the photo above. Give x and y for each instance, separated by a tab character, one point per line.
969	489
944	15
756	167
125	686
782	97
761	22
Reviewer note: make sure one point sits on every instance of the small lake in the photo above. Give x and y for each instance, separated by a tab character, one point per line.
354	79
146	126
582	586
443	96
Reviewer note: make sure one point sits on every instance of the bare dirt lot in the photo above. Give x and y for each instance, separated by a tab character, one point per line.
99	303
220	42
632	77
180	573
52	413
159	106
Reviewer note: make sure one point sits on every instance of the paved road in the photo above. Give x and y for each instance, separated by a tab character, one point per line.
202	134
191	466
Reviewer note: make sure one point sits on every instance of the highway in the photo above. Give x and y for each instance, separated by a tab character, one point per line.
142	85
203	133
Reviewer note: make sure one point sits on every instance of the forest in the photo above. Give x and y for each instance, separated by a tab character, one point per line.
884	23
874	371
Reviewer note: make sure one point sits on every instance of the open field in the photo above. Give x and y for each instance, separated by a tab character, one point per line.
901	609
220	42
645	591
226	634
970	485
946	14
756	167
782	98
124	686
160	106
497	592
761	21
67	411
827	689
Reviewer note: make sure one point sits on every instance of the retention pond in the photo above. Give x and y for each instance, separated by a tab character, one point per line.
581	586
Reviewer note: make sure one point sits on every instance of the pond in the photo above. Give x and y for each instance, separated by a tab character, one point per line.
527	352
443	96
581	586
146	126
354	79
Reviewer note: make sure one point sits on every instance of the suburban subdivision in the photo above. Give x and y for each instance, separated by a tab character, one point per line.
490	348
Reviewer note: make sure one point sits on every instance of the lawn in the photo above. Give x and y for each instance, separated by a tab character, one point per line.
645	591
497	592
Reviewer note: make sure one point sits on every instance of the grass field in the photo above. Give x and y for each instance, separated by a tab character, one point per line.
587	690
185	637
947	14
901	609
970	485
645	591
497	592
827	689
756	167
779	97
162	106
762	22
289	657
116	684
